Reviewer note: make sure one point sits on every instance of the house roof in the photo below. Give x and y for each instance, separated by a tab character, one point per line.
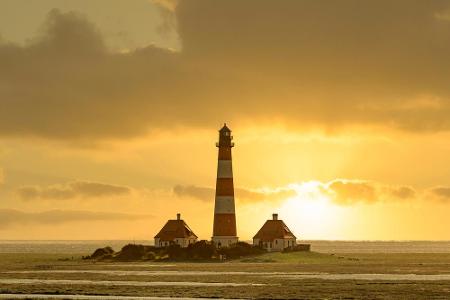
274	229
175	229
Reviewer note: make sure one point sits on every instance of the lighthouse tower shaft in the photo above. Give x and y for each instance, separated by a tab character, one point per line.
224	231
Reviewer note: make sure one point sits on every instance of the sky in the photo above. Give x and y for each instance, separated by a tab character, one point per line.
110	110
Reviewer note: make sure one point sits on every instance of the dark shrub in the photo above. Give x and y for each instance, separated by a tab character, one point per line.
149	256
175	252
201	250
131	252
240	249
108	256
101	253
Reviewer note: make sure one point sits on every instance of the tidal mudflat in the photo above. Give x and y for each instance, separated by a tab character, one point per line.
276	275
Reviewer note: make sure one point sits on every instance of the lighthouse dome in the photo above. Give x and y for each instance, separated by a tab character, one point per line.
225	128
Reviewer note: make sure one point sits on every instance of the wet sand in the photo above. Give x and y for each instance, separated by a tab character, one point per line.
87	297
285	275
120	282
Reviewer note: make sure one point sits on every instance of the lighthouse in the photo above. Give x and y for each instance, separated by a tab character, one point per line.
224	229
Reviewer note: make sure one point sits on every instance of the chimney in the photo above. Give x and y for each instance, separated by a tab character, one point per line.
275	217
178	216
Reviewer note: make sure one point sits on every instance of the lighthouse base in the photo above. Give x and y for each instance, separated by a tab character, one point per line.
224	241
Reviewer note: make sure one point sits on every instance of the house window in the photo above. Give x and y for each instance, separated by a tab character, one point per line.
276	242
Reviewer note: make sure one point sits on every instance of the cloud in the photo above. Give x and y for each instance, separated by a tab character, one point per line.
342	192
273	195
401	192
74	88
441	193
347	192
76	189
12	217
306	63
339	191
196	192
242	194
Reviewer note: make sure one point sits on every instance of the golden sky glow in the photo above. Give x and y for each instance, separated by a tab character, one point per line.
109	112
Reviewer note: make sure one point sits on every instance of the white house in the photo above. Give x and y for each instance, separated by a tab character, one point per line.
175	232
274	235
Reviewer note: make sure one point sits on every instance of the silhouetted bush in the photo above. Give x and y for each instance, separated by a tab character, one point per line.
101	253
132	252
201	250
149	256
175	252
240	249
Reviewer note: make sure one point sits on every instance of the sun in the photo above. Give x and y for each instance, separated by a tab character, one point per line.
311	211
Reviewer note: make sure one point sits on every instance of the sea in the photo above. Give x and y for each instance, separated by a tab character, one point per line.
89	246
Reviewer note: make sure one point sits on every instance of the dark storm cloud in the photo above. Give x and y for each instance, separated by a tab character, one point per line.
77	189
244	195
307	63
12	217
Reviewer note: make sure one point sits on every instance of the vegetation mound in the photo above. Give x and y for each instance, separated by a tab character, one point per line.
239	250
199	251
132	252
102	253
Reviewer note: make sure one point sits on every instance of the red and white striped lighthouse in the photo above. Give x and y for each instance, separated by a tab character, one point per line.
224	230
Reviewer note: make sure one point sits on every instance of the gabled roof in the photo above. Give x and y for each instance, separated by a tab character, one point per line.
175	229
274	229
